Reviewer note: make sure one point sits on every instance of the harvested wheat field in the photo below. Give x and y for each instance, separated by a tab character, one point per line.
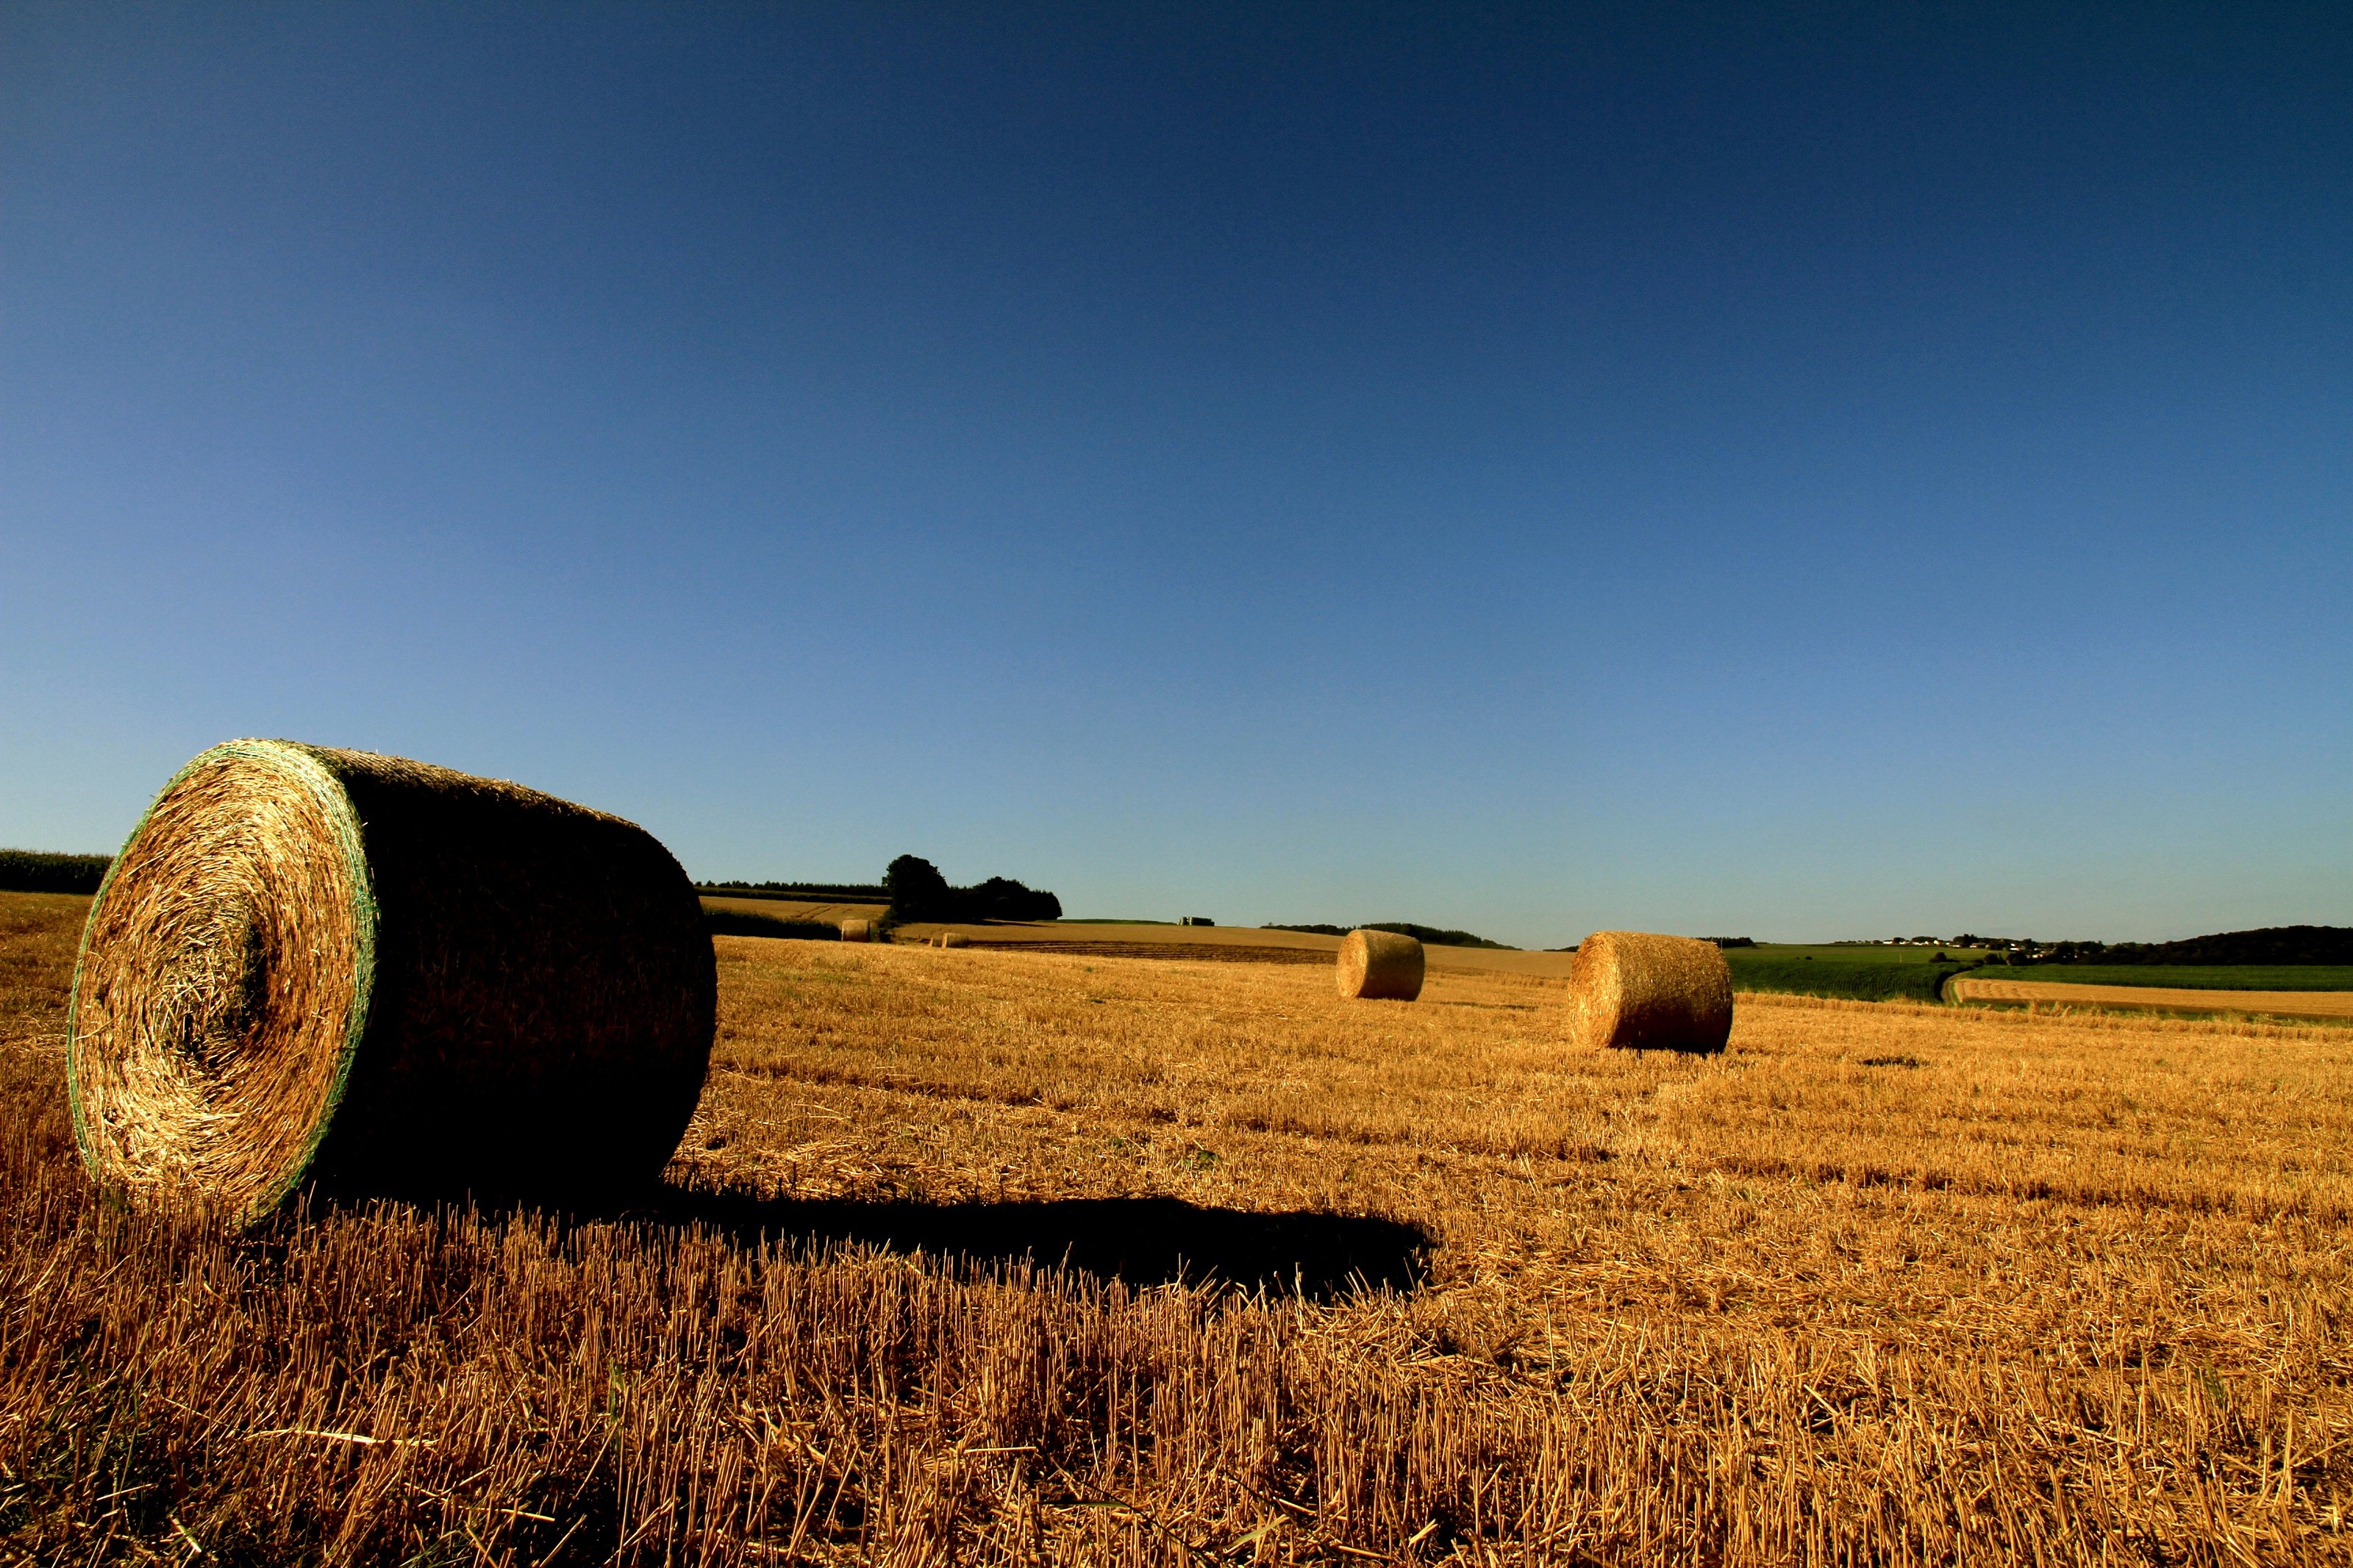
1250	944
830	912
995	1255
2163	999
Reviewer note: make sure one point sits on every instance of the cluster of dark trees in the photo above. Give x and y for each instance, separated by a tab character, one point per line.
917	892
2026	950
38	871
2270	945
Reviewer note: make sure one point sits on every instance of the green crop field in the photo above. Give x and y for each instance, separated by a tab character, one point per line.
2188	977
1862	974
1841	952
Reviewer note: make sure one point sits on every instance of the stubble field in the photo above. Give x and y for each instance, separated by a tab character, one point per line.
990	1255
2286	1004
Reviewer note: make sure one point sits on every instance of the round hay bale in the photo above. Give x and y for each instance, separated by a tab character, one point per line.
311	965
857	930
1380	965
1648	992
955	938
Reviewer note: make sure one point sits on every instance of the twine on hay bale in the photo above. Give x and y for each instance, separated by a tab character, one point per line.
1380	965
857	930
1643	992
320	965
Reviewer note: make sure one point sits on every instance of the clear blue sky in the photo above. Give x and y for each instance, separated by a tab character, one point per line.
1802	473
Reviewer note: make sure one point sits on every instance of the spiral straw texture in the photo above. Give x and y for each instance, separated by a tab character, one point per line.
321	965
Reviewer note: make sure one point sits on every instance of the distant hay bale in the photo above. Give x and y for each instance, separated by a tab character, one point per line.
1380	965
382	977
955	938
857	930
1643	992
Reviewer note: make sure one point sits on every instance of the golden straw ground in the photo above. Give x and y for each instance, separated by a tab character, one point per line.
1878	1283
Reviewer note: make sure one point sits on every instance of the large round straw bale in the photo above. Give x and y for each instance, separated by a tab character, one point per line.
857	930
1650	993
955	938
330	966
1380	965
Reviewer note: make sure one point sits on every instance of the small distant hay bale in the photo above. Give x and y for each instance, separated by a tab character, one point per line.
321	966
1380	965
955	938
857	930
1641	992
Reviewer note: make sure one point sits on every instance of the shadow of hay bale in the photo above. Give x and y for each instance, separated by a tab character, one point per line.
1142	1241
1139	1241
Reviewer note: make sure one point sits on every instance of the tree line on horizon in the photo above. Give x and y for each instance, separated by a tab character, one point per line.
40	871
2268	945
